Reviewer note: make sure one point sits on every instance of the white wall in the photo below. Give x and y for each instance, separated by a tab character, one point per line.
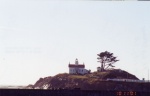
80	70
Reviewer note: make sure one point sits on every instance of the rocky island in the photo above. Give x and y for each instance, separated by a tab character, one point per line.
116	79
106	78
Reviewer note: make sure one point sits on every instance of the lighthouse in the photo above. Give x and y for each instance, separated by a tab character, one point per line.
77	68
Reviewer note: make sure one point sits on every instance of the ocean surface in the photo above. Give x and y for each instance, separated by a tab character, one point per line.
12	87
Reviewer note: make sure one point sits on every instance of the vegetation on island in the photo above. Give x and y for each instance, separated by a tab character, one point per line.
92	81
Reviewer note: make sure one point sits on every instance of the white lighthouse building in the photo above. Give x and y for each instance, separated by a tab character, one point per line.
77	68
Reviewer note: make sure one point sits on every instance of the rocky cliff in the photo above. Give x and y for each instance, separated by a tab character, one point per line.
92	81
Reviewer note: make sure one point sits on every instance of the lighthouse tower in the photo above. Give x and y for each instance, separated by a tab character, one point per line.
76	61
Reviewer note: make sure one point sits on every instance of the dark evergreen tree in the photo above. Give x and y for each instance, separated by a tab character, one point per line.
107	60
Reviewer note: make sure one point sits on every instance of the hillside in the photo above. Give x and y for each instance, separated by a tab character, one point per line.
93	81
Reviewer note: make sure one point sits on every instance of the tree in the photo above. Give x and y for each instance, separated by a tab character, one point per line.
106	59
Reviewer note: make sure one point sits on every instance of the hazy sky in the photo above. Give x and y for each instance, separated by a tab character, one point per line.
38	38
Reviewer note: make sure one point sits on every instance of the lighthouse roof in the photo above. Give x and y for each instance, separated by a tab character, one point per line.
76	66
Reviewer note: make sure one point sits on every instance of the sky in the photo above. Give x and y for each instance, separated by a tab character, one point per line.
38	38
